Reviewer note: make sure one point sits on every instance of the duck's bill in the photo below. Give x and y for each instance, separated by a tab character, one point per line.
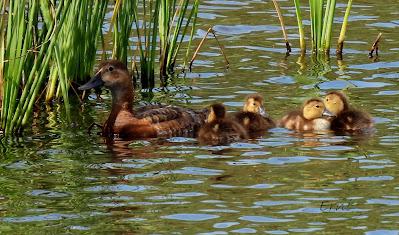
94	82
327	113
263	112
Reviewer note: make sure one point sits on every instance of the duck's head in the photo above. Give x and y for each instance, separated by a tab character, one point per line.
216	112
314	108
112	74
336	102
254	104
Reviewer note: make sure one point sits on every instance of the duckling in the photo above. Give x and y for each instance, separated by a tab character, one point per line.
253	117
310	118
220	130
347	118
146	122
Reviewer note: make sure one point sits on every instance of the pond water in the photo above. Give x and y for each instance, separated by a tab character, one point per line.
58	179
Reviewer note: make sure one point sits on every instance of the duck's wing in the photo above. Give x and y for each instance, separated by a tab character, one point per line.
352	120
221	133
173	120
293	120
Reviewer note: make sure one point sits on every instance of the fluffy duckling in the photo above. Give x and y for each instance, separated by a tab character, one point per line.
146	122
253	117
347	118
310	118
220	130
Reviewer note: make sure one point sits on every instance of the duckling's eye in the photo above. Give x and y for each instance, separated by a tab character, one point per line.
253	104
317	106
326	99
111	68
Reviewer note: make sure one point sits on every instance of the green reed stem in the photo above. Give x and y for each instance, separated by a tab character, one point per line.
342	34
302	43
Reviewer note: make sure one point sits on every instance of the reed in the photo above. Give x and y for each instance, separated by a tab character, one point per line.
322	14
301	31
169	21
173	30
281	19
342	34
47	46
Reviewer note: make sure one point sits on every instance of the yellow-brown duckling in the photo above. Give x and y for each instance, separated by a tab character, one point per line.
253	117
146	122
347	118
219	129
312	117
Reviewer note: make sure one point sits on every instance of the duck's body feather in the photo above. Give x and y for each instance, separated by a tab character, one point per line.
254	123
352	120
295	120
221	132
158	121
146	122
348	120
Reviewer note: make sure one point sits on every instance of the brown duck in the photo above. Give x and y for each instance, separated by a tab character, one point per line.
312	117
347	118
146	122
253	117
219	129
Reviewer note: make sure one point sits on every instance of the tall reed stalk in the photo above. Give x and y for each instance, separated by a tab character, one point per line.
341	38
168	21
47	44
322	14
173	29
301	31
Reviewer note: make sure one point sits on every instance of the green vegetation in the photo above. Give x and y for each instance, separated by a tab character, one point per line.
321	16
170	21
49	46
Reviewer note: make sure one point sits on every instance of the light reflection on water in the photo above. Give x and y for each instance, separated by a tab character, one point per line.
58	179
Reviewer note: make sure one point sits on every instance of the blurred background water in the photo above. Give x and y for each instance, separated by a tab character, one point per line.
58	179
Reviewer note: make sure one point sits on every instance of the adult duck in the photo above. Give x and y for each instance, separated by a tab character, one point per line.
253	117
146	122
312	117
219	129
347	119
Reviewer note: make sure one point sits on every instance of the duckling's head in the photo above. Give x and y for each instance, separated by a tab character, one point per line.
254	104
314	108
112	74
216	112
336	102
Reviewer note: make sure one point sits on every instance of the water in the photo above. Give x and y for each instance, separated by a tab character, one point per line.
58	179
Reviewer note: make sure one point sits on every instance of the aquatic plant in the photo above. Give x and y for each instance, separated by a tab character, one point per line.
321	16
169	21
281	19
46	46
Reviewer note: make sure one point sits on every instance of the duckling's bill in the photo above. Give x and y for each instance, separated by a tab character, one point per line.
263	112
327	113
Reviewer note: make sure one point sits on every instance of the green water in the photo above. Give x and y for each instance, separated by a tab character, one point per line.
58	179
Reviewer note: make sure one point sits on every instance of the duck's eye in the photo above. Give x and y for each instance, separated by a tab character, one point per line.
111	68
317	106
253	104
327	99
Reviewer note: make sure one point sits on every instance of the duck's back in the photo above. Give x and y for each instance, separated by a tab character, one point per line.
254	122
161	121
294	120
221	132
352	120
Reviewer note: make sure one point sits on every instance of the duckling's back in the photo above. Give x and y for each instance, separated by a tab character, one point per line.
254	122
352	120
221	132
